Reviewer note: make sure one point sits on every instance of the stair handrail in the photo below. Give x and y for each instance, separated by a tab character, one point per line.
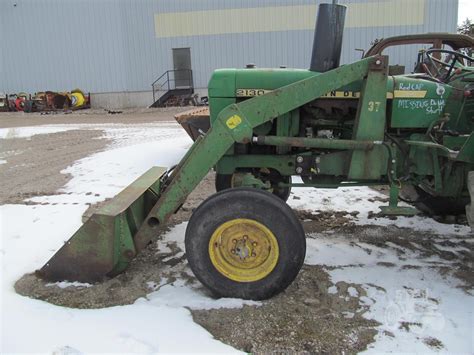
169	80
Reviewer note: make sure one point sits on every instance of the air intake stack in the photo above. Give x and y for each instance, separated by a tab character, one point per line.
328	33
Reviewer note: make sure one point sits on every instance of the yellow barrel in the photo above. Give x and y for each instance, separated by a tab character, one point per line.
77	99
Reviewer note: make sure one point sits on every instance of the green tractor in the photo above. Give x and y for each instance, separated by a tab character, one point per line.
352	125
428	114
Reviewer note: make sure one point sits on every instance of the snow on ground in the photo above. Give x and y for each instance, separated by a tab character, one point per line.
66	284
134	150
413	290
410	291
122	132
365	200
32	233
27	132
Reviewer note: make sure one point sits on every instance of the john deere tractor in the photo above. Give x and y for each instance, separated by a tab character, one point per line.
360	124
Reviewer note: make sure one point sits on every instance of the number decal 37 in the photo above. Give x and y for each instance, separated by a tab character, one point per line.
374	106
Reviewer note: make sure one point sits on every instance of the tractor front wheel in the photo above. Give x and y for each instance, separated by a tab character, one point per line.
245	243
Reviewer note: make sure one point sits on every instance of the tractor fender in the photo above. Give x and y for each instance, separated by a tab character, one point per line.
466	154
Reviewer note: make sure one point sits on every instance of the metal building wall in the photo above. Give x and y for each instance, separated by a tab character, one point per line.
113	46
2	65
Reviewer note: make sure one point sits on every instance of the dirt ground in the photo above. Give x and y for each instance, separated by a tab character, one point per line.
306	318
42	157
147	115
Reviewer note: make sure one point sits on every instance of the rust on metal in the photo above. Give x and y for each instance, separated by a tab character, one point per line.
436	40
103	245
195	122
315	142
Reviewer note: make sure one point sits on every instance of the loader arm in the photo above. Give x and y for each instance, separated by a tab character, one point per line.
235	124
82	258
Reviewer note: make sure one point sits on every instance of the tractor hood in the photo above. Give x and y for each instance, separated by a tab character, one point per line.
416	96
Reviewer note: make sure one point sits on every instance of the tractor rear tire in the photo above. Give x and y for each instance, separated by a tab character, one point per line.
245	243
470	207
440	206
224	182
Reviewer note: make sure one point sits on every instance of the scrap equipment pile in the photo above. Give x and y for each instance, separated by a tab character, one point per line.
45	101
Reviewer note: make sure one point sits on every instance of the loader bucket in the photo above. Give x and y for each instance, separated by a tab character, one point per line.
195	122
104	245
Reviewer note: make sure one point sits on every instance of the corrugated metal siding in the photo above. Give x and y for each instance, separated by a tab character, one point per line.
2	65
107	46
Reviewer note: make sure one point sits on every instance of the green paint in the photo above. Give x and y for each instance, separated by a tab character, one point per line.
359	102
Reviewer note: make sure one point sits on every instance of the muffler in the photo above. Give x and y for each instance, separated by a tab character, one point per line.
327	44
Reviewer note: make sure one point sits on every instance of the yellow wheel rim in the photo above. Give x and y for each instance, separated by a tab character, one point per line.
243	250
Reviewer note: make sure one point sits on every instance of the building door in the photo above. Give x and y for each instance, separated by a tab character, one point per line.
182	65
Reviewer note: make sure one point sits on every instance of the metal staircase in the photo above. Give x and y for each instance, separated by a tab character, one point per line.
173	88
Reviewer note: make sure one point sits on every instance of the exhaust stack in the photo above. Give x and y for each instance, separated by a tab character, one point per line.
328	33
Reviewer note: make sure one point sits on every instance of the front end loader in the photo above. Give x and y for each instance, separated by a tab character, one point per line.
349	125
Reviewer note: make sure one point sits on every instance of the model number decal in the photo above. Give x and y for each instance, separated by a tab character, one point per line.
250	92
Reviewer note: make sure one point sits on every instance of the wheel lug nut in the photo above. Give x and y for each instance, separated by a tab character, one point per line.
234	241
254	244
246	237
233	251
254	255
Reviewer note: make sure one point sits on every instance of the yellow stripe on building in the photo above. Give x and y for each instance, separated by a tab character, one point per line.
284	18
388	13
